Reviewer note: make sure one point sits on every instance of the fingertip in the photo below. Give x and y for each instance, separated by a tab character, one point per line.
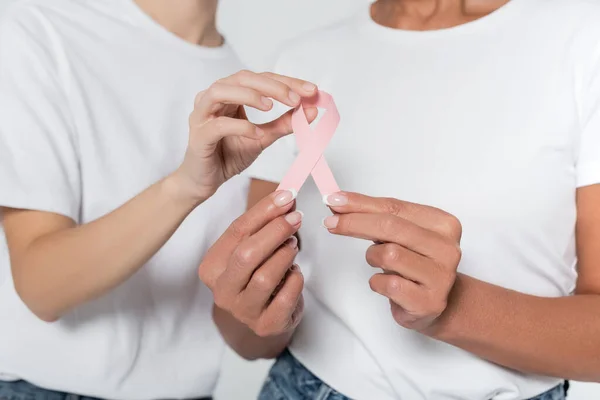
309	87
311	113
267	103
292	242
282	198
331	222
294	218
335	199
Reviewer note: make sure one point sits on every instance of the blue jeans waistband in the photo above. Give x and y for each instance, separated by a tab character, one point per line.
290	380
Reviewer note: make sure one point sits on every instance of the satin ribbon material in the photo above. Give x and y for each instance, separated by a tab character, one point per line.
312	145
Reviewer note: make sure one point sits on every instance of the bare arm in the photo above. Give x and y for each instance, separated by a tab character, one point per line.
235	329
548	336
418	247
57	265
245	342
237	335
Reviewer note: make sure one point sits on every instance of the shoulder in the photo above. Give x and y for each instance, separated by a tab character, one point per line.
578	24
574	16
38	18
44	29
571	7
27	33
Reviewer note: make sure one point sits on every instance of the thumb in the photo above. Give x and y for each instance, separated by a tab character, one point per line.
282	126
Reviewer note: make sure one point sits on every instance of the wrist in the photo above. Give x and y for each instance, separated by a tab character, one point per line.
180	190
444	328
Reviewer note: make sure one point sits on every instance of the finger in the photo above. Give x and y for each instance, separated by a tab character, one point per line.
300	86
397	259
218	128
285	309
389	228
253	252
425	216
266	210
286	90
282	126
268	279
403	292
219	94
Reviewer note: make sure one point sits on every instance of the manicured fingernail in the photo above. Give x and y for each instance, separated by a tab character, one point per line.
260	132
331	222
309	87
292	242
294	218
266	101
335	199
285	197
294	97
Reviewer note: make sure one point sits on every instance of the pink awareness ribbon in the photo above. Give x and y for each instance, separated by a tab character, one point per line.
312	145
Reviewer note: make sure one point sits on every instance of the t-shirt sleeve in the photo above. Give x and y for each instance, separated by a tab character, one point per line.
39	168
274	161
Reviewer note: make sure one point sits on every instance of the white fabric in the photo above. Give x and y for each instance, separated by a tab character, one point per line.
94	106
496	121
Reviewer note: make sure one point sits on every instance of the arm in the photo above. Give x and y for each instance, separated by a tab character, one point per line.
548	336
418	248
237	335
49	252
257	288
245	342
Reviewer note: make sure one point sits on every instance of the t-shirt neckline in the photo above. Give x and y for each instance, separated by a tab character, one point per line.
367	24
173	40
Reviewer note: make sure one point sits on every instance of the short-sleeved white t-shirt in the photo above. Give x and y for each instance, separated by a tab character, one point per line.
94	106
497	122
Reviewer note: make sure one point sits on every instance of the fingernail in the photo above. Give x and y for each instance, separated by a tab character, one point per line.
266	101
331	222
260	132
335	199
309	87
292	242
294	218
285	197
294	97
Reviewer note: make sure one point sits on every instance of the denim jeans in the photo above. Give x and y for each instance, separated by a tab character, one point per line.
290	380
21	390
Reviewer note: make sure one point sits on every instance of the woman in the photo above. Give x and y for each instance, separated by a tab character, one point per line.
476	126
108	203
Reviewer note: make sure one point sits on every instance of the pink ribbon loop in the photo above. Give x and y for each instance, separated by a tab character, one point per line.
312	145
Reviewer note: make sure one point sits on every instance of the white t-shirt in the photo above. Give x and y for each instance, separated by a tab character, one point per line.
94	106
496	121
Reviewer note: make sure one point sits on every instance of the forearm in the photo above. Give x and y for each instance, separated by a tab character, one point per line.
64	269
245	342
548	336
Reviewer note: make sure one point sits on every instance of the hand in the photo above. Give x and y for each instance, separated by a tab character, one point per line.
416	246
222	142
251	269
